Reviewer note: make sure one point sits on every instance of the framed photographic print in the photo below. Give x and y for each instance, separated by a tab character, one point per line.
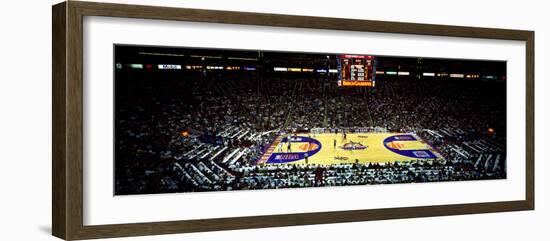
171	120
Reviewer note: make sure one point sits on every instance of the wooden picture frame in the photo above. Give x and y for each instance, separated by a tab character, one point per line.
67	150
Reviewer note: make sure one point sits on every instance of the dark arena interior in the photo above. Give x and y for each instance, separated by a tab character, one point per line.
192	119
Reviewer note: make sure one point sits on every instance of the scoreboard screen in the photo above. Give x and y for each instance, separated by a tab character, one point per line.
356	70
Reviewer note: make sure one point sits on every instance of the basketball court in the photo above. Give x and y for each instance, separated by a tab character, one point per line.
330	148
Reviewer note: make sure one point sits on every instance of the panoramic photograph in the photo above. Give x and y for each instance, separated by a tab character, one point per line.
205	119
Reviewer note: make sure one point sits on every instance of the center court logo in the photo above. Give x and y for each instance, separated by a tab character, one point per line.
353	146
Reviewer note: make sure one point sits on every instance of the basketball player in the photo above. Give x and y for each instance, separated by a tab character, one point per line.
288	147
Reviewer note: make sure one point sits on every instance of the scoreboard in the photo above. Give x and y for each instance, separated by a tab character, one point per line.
356	70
